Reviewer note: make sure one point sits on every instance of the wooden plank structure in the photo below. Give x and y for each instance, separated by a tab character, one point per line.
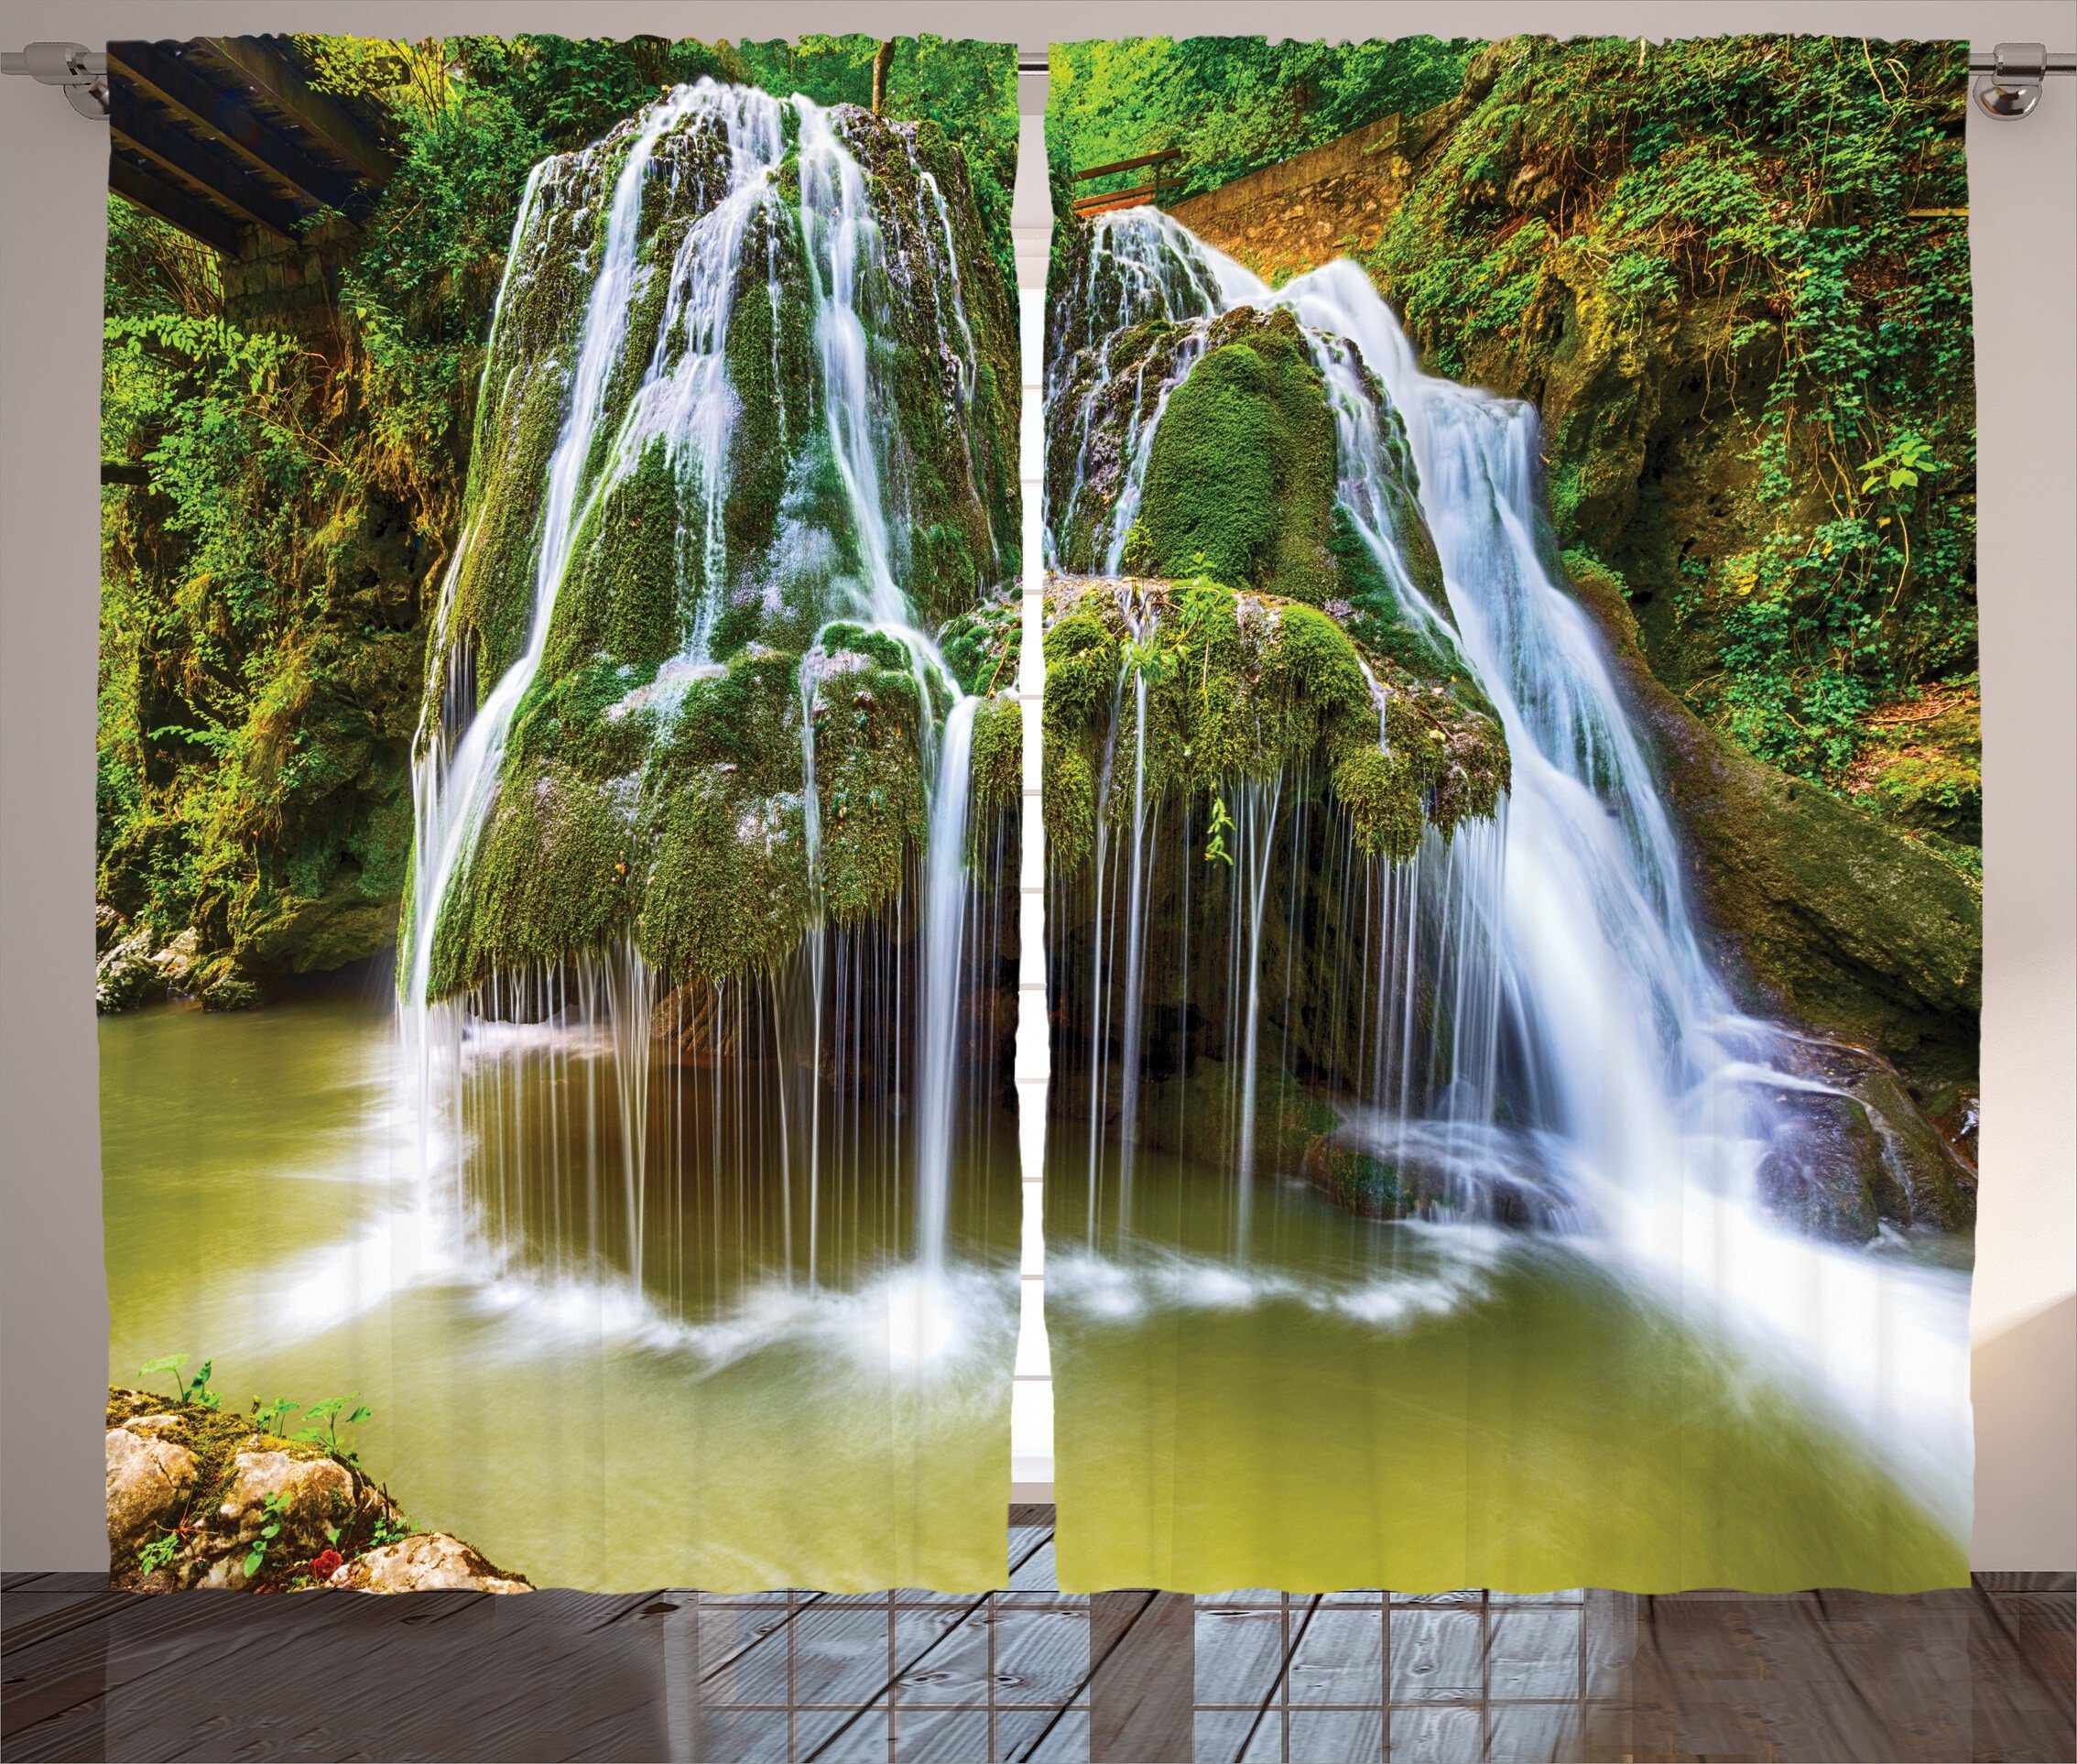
225	138
1101	201
1032	1675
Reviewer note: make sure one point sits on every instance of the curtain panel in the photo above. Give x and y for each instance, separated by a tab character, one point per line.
1513	814
1509	785
555	751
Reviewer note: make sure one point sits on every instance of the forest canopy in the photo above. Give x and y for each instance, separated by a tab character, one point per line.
1231	105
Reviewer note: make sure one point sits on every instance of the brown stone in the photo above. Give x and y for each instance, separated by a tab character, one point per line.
149	1480
429	1562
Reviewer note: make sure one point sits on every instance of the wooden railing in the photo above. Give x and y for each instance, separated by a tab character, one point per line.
1149	191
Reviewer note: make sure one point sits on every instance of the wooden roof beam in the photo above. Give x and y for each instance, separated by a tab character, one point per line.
220	172
179	88
157	196
281	81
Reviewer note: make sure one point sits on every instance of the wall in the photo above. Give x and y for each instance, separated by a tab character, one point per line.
2023	232
286	284
1304	210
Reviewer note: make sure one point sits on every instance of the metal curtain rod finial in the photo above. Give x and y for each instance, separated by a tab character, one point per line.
82	72
2008	80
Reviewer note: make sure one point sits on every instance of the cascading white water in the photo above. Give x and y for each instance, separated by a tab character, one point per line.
454	797
944	943
686	399
1642	1109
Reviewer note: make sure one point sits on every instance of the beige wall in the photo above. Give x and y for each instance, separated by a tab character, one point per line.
2023	232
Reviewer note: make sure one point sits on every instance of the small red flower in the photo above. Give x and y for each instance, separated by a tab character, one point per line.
327	1565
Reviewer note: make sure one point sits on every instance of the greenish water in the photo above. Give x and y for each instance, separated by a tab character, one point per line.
732	1424
1364	1404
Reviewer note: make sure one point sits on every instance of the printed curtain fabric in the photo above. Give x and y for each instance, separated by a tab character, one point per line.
557	749
1510	798
1513	814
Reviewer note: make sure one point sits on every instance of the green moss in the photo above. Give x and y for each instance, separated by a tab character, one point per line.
622	593
727	889
552	873
1312	682
1068	800
870	785
1246	685
1383	796
1240	478
570	719
997	754
771	370
1380	619
982	648
885	651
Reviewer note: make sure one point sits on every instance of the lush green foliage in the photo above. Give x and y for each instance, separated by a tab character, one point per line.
968	89
1755	248
1229	105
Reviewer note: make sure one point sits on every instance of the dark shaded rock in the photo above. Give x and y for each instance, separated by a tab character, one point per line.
1856	1154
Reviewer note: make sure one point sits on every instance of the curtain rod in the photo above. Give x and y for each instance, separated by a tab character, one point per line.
2008	78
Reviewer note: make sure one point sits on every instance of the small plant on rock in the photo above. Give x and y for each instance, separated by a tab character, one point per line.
274	1510
194	1392
325	1419
268	1417
159	1552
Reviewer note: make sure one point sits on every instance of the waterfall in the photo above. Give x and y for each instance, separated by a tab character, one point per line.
944	935
840	1072
454	799
1582	1056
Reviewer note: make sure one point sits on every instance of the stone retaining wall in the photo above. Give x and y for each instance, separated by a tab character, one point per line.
287	285
1311	208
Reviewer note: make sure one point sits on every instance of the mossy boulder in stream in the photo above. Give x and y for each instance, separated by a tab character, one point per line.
1243	685
1209	446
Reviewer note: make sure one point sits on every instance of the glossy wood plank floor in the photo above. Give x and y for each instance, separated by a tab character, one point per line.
1028	1673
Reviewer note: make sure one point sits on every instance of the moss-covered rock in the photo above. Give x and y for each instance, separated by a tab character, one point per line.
997	755
1240	477
1228	423
1241	686
707	634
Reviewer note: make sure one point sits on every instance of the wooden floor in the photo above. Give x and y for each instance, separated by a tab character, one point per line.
1028	1673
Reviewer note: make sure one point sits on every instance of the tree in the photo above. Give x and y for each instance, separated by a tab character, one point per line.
882	61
